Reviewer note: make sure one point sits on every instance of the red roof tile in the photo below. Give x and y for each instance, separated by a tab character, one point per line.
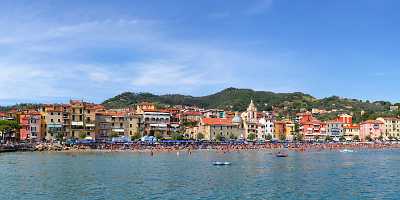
217	121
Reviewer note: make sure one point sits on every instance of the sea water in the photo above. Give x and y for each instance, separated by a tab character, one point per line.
365	174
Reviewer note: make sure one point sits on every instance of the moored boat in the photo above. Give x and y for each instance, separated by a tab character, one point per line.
282	155
221	163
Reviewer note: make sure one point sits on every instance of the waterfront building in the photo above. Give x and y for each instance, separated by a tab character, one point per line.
284	130
30	122
117	123
351	131
155	123
334	129
311	128
66	120
192	132
371	128
266	127
211	127
83	116
132	122
391	127
249	119
103	126
52	122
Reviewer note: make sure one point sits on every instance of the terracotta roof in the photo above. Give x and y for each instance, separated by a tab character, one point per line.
334	121
217	121
352	126
305	113
391	118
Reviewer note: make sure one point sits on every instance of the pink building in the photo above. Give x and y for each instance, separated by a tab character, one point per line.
372	128
30	126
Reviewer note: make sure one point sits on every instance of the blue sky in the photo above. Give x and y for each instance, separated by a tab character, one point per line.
52	51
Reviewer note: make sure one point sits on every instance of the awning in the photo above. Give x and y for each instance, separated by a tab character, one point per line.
77	123
159	125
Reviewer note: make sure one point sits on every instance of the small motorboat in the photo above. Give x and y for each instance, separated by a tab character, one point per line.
346	151
221	163
282	155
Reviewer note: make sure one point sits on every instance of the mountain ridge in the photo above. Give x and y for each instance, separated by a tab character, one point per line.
238	99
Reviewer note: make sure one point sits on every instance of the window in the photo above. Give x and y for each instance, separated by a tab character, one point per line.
52	120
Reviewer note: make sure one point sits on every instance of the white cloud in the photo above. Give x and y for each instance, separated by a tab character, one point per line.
52	60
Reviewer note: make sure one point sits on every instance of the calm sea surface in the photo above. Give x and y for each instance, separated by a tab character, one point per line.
368	174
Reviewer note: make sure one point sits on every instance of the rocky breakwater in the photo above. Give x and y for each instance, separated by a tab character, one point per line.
50	147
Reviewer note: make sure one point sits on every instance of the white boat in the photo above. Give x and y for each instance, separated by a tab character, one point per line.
346	151
221	163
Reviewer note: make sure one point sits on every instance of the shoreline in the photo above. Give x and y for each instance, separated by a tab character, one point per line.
295	147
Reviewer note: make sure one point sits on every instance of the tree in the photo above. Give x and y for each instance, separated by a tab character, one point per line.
60	137
200	136
7	127
232	136
218	137
82	135
251	137
268	137
282	137
317	137
177	136
380	137
136	136
342	138
368	138
158	135
328	139
298	137
356	138
296	127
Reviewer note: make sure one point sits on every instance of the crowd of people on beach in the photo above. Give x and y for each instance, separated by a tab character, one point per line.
225	148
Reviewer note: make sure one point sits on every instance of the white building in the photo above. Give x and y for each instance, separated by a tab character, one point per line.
266	127
250	120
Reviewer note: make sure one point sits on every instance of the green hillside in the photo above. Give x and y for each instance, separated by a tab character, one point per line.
238	99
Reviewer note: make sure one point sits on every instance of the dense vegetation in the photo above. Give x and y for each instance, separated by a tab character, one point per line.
230	99
22	106
285	103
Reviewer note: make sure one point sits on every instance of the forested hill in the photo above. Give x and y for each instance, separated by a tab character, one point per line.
238	100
